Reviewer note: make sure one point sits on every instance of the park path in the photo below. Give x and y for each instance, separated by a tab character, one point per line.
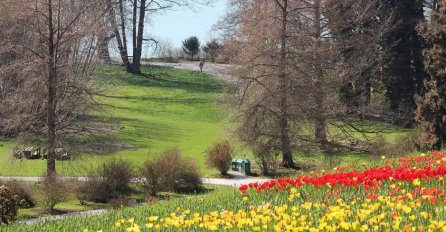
236	181
222	71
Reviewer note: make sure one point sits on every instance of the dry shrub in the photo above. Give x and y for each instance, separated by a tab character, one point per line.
170	172
52	191
122	201
266	158
109	181
219	156
401	146
22	191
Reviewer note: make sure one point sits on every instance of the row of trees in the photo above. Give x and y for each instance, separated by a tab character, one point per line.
314	72
191	46
210	51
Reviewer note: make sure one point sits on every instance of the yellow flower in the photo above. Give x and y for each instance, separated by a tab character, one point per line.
152	218
407	209
245	198
86	230
364	228
149	225
416	182
383	157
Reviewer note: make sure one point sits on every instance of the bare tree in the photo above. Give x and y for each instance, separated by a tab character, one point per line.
131	16
292	69
58	53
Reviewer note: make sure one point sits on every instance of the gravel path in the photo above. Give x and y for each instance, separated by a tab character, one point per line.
222	71
236	180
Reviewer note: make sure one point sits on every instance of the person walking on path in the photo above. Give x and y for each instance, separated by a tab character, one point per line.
201	65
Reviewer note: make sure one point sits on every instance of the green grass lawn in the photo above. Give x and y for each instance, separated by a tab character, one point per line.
162	109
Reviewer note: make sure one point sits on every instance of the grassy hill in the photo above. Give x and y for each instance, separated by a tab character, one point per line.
163	108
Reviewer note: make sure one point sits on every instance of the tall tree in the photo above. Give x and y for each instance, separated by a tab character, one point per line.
131	16
58	52
212	48
191	46
291	72
431	107
402	53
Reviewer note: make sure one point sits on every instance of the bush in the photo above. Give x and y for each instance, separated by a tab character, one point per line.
219	156
109	181
22	191
122	201
401	146
9	205
266	158
53	191
170	172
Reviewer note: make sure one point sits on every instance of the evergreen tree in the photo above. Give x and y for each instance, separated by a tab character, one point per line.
431	107
402	52
191	46
212	48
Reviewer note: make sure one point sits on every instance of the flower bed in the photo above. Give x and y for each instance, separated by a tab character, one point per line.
405	194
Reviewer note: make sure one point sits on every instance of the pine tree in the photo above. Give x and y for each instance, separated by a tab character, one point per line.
431	108
402	49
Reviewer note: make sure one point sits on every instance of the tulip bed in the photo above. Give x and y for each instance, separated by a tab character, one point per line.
404	194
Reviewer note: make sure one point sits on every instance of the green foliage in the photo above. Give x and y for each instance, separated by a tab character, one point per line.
191	46
170	172
219	156
9	205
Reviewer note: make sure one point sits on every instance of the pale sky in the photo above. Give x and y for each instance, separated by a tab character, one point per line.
177	25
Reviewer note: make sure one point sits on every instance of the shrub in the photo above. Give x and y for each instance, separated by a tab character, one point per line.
170	172
401	146
219	156
22	191
109	181
121	201
187	178
266	158
53	191
9	205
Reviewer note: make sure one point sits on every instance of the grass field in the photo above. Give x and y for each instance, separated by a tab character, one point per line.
163	108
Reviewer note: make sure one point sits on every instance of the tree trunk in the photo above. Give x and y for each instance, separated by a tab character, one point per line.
52	85
287	155
320	120
126	61
137	48
121	46
103	49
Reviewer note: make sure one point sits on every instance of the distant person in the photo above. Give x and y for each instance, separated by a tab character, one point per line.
201	65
